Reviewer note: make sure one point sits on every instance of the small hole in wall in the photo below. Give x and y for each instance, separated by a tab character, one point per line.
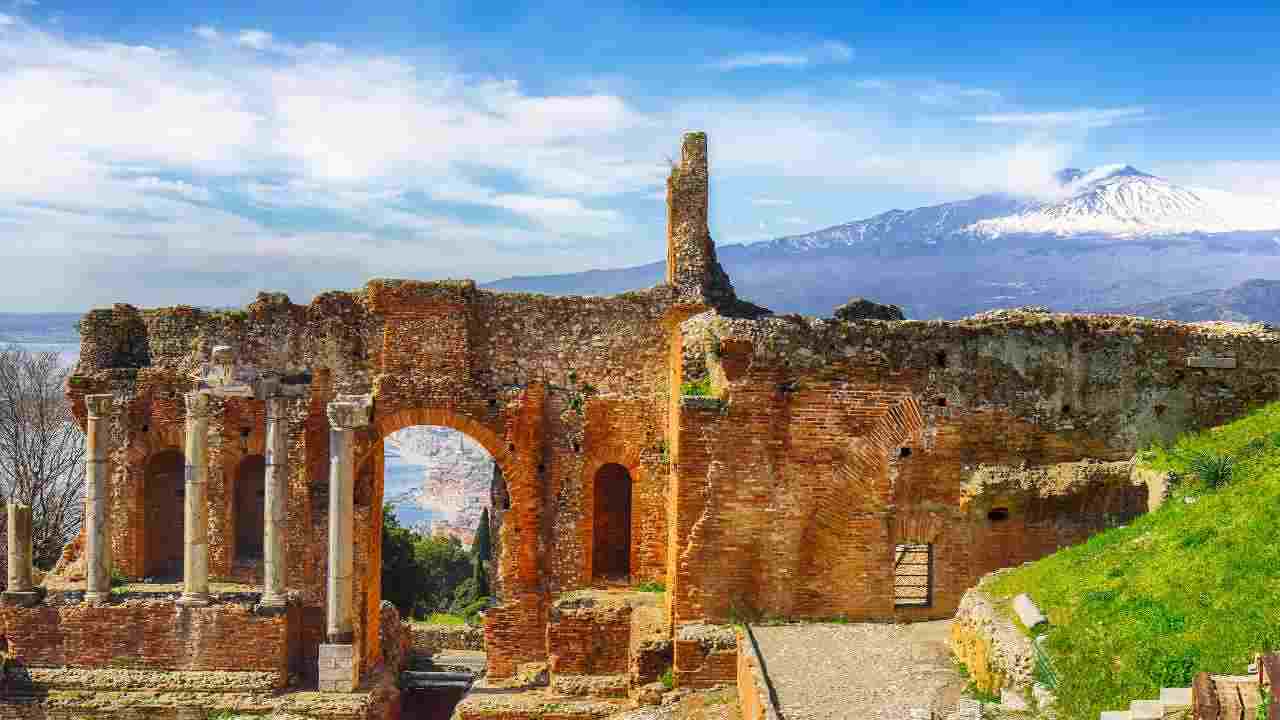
576	446
1159	410
999	514
1066	409
511	447
146	428
493	402
542	468
940	359
904	452
942	402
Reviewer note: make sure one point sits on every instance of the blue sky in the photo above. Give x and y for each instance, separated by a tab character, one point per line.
157	154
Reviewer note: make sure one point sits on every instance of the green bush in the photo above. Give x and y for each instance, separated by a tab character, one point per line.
700	387
652	586
1213	469
667	678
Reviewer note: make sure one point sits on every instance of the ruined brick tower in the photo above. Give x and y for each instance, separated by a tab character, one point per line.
692	267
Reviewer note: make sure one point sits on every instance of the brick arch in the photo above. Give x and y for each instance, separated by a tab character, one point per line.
918	526
628	456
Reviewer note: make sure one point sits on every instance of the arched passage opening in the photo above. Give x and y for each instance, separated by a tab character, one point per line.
437	554
611	525
163	512
249	508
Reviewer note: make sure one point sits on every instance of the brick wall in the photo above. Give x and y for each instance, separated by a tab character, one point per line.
588	640
150	635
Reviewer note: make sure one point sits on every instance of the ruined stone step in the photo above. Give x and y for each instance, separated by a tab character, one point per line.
1115	715
485	703
600	686
1175	698
1146	710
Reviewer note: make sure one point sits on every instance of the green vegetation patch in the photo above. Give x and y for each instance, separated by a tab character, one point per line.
1191	587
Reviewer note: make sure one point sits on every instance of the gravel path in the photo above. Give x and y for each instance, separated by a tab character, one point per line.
867	671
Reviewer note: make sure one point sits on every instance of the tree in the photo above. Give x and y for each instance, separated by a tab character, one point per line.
481	577
482	548
42	450
401	575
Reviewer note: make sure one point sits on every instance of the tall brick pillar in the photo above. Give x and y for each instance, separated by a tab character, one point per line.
97	515
20	590
339	666
195	556
275	504
691	253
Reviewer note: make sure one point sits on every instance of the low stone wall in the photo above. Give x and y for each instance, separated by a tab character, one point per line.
151	635
705	656
984	638
589	635
431	639
754	698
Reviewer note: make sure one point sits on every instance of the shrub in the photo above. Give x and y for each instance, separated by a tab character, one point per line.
700	387
652	586
1213	469
667	678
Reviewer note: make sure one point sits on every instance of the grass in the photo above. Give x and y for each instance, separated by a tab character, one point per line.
651	586
1187	588
443	619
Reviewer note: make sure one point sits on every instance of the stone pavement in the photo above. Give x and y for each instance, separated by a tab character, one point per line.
864	670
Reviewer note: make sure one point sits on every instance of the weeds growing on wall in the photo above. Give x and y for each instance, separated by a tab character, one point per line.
1188	588
652	586
700	387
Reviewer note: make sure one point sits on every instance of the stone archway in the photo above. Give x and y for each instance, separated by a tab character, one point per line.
611	524
249	509
163	509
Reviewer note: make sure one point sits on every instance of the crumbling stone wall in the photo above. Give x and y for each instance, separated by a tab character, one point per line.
830	442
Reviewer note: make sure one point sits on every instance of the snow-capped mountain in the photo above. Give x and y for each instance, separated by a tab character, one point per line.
1112	236
1112	200
1124	201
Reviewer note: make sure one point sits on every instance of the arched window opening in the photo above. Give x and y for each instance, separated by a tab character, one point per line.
611	536
250	508
163	513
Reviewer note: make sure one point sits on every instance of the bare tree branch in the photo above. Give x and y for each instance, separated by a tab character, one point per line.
42	450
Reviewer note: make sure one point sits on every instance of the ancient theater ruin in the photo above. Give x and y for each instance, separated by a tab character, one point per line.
870	469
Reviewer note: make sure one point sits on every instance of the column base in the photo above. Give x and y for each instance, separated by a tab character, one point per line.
272	605
21	598
194	600
338	671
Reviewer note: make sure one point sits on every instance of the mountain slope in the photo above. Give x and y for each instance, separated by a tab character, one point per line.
1191	587
1112	236
1256	300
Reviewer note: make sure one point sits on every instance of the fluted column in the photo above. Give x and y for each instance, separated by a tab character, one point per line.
339	668
275	508
19	590
97	520
195	529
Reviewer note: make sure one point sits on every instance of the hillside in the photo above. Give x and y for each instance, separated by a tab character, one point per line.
1254	301
1193	586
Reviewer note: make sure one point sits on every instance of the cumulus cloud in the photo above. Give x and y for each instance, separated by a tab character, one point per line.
825	53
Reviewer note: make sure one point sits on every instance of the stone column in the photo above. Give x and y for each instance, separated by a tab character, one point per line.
275	504
195	528
97	520
20	590
338	664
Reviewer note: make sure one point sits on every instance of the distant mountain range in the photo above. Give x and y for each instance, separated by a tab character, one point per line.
1252	301
1109	237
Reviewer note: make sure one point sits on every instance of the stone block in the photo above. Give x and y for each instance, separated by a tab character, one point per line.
1027	611
1146	710
1011	699
1115	715
1223	362
1175	697
338	671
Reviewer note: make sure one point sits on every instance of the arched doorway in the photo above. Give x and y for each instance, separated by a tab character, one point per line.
437	489
250	500
611	525
163	512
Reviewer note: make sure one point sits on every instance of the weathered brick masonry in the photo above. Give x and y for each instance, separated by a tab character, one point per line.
826	444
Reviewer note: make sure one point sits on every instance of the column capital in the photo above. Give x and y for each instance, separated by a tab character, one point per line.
197	404
349	412
99	406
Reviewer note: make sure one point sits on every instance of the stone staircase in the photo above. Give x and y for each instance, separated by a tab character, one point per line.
1173	703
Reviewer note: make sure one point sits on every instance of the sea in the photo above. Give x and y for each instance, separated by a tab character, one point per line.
57	332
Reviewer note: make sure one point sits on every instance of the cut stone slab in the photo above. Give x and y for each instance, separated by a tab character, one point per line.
1146	710
1027	611
1173	698
1115	715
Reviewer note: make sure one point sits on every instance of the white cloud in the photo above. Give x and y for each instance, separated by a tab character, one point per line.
255	39
207	33
770	202
827	52
1080	119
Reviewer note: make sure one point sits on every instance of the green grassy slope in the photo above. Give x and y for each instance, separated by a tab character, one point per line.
1187	588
